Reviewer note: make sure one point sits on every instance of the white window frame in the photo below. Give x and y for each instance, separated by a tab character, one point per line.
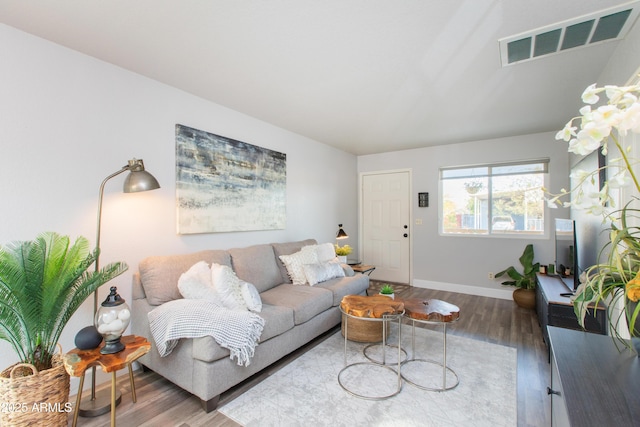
489	174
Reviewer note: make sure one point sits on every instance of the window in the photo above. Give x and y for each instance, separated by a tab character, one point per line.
497	199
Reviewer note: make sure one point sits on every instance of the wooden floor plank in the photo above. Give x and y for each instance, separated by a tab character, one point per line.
160	403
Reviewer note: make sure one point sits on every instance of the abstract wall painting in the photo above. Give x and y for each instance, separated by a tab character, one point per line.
224	185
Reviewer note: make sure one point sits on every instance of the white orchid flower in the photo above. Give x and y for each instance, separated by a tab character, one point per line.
608	114
583	145
630	119
590	95
614	93
619	180
567	133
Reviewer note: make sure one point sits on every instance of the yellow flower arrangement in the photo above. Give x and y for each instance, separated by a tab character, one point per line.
343	250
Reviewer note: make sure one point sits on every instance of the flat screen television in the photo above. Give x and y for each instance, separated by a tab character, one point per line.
567	253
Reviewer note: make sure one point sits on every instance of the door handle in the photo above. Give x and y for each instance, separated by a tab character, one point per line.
405	235
551	391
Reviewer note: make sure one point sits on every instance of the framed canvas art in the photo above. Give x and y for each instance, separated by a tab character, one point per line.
225	185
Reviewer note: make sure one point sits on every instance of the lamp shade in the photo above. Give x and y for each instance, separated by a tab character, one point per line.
341	233
138	178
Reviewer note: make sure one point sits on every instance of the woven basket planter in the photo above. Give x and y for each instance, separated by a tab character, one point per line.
33	398
363	330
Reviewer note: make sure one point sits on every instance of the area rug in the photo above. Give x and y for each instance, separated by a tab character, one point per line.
307	392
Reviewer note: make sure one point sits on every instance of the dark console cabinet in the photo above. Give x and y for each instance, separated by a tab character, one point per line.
593	383
553	309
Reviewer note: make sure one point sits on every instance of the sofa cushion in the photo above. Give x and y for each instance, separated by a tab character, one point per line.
288	249
295	264
251	296
325	251
160	274
227	285
257	264
278	320
305	301
321	272
340	287
196	283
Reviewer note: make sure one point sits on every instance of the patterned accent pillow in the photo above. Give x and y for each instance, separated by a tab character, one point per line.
318	273
227	285
196	283
294	263
251	296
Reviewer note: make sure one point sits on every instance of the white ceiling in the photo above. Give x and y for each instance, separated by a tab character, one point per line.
366	76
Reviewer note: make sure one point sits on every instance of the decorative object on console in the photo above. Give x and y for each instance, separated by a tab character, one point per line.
525	282
112	320
615	279
227	185
137	180
44	282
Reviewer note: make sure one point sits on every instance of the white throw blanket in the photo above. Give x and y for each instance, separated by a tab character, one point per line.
238	331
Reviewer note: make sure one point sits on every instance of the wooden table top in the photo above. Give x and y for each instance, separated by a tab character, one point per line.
362	268
433	310
77	361
374	306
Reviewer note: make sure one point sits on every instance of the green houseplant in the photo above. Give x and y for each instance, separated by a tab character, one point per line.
42	283
524	281
387	290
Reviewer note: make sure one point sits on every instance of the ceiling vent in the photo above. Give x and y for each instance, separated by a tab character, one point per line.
599	27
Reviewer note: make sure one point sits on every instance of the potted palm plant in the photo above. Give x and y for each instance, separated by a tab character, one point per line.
525	282
42	283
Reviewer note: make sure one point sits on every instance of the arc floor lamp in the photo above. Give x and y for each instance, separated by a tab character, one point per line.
137	180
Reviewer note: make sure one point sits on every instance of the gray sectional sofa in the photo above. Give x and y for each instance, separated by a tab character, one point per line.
293	314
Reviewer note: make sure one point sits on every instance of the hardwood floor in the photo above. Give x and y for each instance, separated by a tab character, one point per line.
160	403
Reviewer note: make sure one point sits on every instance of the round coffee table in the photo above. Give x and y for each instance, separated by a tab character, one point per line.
436	312
372	309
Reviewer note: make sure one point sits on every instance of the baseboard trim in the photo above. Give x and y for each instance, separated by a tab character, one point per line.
464	289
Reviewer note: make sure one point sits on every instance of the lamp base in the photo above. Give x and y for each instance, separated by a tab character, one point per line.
112	346
98	406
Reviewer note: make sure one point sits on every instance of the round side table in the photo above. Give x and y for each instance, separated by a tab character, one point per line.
435	312
372	309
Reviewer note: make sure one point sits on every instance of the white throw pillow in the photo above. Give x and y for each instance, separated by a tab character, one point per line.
251	296
325	252
227	285
294	263
196	283
321	272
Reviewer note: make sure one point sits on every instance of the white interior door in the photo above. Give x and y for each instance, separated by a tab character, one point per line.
386	231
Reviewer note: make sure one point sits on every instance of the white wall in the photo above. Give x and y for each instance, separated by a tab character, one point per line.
460	263
68	120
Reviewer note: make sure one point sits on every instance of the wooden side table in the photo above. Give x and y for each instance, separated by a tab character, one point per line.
372	309
432	311
76	362
364	269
